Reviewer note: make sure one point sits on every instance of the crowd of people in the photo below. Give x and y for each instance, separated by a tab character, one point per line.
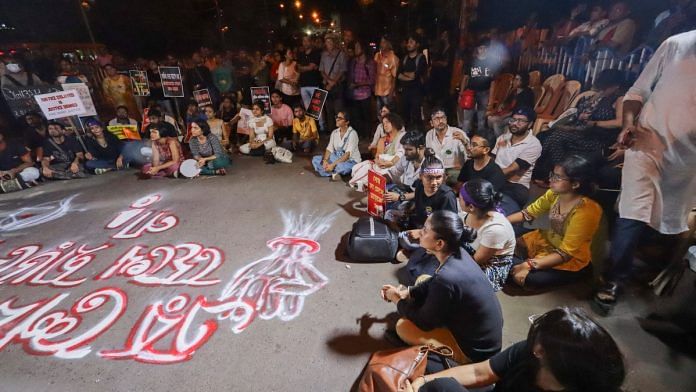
459	195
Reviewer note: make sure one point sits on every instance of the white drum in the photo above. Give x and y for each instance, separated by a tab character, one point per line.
189	168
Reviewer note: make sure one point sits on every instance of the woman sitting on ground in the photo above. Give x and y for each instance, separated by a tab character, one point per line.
104	150
494	245
166	156
561	254
342	152
565	350
388	153
217	126
261	128
456	306
207	150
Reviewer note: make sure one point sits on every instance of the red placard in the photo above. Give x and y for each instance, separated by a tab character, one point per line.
376	188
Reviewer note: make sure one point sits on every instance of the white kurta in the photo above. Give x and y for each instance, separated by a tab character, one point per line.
659	174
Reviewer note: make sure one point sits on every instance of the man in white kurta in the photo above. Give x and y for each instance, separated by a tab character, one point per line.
659	173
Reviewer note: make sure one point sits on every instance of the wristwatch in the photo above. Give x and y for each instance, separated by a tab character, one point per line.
402	197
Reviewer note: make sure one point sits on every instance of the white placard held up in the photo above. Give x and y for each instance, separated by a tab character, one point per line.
60	104
85	96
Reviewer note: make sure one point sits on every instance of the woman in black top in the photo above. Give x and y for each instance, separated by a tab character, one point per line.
456	306
103	150
565	350
520	96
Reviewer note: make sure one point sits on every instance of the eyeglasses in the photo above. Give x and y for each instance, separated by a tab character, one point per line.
340	118
557	177
518	120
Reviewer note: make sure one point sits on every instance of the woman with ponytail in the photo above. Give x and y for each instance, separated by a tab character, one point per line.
457	306
494	244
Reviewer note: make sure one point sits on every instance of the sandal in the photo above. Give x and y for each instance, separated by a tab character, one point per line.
608	293
220	172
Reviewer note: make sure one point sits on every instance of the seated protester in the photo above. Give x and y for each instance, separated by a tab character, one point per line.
36	134
619	32
282	116
166	156
480	165
207	150
516	152
304	131
342	152
494	244
63	156
561	254
565	350
166	116
520	95
122	117
456	306
229	114
156	121
598	21
379	132
387	155
449	143
216	126
402	176
15	164
262	130
103	150
594	130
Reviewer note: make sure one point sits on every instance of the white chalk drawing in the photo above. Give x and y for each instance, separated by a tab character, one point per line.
26	217
276	285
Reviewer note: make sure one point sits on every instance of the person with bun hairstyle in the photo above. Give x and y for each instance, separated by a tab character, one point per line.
207	150
565	350
455	307
494	244
262	129
560	254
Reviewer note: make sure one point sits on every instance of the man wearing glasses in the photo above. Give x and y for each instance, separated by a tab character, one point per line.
449	144
516	152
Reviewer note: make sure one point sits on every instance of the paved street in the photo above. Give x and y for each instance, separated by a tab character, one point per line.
118	284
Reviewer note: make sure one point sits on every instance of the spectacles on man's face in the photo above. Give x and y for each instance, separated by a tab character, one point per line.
340	118
474	145
518	120
557	177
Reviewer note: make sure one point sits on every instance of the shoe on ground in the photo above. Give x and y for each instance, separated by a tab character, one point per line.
335	177
101	171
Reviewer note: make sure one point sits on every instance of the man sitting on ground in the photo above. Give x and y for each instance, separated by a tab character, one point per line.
15	164
480	165
304	131
157	122
63	156
122	117
516	152
403	175
449	144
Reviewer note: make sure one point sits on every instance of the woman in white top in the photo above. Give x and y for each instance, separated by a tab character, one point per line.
288	77
388	152
261	132
495	239
217	126
342	152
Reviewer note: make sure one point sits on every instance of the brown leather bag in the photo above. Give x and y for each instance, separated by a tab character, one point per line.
387	371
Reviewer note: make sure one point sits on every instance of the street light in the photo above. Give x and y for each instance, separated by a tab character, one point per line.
315	14
301	16
282	6
298	4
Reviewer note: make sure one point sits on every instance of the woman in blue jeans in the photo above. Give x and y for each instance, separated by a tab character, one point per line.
104	150
342	152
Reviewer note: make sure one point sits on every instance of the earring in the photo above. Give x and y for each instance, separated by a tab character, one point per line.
537	355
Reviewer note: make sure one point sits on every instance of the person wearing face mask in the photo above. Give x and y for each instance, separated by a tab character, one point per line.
516	152
63	156
455	305
561	353
449	143
12	74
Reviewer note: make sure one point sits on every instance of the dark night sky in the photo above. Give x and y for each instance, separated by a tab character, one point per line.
154	27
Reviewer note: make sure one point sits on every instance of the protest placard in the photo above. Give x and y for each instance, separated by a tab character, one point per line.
60	104
172	84
376	188
85	97
316	104
129	131
263	94
141	87
21	100
202	97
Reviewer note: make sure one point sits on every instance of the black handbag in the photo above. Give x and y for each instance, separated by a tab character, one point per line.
372	240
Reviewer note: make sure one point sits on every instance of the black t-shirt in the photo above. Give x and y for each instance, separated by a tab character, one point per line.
443	199
64	152
108	153
413	64
165	129
525	98
491	172
33	139
11	156
309	78
481	74
516	369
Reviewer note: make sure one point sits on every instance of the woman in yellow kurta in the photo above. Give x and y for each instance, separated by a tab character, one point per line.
560	254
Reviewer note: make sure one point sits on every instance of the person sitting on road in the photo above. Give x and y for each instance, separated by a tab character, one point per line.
16	164
304	131
402	176
166	156
342	152
62	155
104	150
207	150
262	129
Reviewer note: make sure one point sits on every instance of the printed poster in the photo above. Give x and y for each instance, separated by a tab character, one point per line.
264	94
316	104
60	104
85	96
376	188
172	84
141	87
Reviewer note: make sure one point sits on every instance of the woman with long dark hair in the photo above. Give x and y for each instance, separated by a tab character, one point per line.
565	350
494	244
561	254
456	306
